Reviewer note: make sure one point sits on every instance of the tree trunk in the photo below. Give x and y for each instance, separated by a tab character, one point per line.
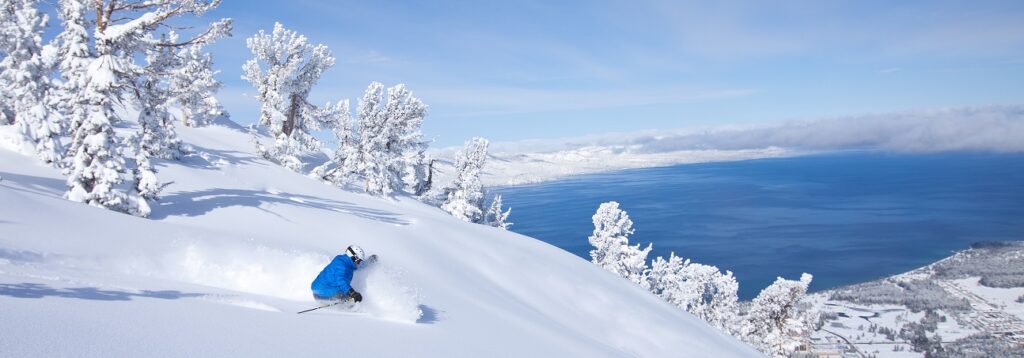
7	116
289	124
425	186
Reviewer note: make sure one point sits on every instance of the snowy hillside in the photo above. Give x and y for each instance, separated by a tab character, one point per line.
228	254
970	304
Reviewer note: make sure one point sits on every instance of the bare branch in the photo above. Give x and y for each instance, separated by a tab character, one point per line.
215	30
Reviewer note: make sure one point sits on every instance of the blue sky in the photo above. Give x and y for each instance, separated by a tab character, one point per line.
515	70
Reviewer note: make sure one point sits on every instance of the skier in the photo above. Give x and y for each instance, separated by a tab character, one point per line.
334	283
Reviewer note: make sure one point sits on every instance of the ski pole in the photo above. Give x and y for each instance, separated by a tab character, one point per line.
325	306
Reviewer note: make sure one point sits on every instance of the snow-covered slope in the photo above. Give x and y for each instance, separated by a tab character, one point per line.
226	260
970	304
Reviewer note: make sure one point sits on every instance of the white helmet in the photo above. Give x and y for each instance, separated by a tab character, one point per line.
355	252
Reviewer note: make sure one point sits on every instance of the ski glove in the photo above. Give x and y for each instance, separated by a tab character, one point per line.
356	296
371	259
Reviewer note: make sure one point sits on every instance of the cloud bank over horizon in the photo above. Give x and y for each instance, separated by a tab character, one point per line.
996	128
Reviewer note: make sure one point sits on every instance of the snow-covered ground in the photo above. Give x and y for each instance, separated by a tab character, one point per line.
864	326
227	257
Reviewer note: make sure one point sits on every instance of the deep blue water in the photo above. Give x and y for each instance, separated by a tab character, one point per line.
845	218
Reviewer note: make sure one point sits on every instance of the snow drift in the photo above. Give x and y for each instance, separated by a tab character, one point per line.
227	257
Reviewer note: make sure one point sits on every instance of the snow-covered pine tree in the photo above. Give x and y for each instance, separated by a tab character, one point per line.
293	67
465	194
664	279
775	325
495	215
699	289
404	141
612	251
8	39
158	85
75	57
156	137
123	31
425	177
358	155
94	174
340	122
384	147
24	79
194	89
708	294
146	184
127	29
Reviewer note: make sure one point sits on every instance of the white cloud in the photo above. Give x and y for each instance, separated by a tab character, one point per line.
987	128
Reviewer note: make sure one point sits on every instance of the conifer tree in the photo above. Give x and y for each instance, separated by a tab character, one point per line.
8	40
292	68
357	149
123	32
708	294
664	278
699	289
496	217
24	79
156	137
775	324
193	87
97	164
465	194
75	57
340	122
612	251
383	147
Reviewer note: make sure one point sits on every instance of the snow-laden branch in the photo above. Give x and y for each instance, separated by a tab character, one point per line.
161	10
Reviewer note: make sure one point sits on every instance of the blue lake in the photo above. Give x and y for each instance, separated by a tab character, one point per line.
845	218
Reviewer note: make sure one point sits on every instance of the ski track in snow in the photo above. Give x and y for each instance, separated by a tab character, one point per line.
249	268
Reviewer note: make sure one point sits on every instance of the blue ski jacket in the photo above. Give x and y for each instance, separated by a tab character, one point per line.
334	279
